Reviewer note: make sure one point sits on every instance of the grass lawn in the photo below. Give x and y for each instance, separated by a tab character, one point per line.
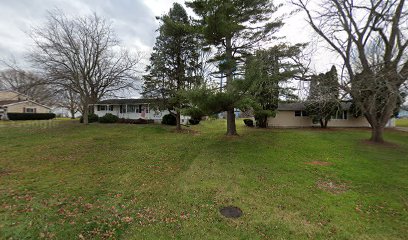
402	122
70	181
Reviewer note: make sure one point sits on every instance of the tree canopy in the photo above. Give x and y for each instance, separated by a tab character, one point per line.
175	61
234	28
323	101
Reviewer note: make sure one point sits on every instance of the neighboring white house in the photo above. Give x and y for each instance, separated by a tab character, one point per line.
293	115
133	109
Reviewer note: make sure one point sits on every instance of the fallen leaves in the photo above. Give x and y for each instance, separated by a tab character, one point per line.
331	186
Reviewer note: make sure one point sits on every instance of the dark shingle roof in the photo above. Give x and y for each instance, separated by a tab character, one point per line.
127	101
298	106
291	106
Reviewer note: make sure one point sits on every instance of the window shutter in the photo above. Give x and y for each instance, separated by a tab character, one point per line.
35	110
24	109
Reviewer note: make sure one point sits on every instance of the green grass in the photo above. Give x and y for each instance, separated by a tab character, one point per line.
70	181
403	122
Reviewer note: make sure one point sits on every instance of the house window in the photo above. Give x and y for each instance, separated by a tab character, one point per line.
110	107
122	109
301	114
131	108
30	110
102	107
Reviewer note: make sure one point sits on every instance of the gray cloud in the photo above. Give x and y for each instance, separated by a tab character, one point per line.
133	21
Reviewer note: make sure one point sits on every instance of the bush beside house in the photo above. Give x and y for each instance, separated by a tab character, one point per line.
109	118
135	121
92	117
249	122
169	119
30	116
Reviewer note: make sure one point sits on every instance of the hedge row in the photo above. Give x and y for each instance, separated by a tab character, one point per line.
110	118
135	121
30	116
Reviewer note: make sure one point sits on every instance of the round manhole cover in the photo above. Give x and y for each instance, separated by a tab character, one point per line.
231	212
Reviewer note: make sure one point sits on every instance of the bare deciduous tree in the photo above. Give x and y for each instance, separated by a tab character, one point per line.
28	83
82	54
68	99
353	28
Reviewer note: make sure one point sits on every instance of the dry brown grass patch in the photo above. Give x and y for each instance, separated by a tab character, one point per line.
331	186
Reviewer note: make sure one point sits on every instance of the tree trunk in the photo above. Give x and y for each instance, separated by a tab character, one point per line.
85	113
231	127
85	116
377	134
321	123
263	122
72	113
178	122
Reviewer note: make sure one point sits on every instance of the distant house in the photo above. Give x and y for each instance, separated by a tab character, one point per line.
293	115
133	109
14	102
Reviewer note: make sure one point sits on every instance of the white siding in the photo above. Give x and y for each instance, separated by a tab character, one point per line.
153	114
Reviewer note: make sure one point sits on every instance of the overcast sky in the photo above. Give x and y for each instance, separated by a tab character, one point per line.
133	20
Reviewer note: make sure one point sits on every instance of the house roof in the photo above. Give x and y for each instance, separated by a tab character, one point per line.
299	106
291	106
127	101
18	93
14	102
7	102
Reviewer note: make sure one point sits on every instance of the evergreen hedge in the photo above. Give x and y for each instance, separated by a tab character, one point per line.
30	116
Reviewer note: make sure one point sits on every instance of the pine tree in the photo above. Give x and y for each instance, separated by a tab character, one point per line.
234	27
266	71
174	63
323	100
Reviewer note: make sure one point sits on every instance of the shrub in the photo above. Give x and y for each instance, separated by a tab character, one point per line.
169	119
30	116
109	118
92	117
135	121
249	122
194	121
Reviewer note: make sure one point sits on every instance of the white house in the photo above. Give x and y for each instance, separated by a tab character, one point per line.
133	109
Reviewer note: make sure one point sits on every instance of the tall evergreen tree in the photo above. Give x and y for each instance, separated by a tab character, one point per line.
266	71
174	63
234	27
323	100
